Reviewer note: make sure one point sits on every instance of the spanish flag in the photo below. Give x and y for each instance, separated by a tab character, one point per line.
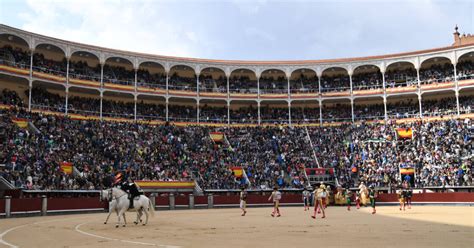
66	167
237	171
118	178
217	136
20	122
404	133
405	171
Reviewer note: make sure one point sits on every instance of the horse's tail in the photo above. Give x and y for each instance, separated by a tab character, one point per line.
151	208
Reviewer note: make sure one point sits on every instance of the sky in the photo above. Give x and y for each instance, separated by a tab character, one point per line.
245	29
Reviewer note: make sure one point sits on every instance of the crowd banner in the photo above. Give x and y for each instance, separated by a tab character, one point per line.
404	133
20	122
66	167
217	137
165	184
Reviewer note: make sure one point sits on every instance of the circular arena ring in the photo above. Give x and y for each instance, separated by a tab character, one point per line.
420	226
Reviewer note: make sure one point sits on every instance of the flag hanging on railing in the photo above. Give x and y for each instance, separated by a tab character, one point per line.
404	133
217	136
20	122
66	167
238	171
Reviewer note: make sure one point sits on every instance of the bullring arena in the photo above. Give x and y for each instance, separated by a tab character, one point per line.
220	148
422	226
436	219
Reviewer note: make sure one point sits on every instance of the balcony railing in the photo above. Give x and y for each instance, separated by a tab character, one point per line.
93	78
152	85
182	88
15	64
49	71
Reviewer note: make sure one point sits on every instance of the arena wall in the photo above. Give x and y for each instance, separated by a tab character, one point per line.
28	206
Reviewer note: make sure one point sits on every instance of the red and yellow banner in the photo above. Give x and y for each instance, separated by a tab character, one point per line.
20	122
405	171
66	167
404	133
165	184
238	171
217	136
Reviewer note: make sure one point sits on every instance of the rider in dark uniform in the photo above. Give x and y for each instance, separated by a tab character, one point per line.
131	188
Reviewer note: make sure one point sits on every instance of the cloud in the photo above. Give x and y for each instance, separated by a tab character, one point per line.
250	7
260	35
245	29
126	25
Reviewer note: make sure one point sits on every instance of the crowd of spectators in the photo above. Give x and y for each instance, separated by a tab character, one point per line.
243	84
369	112
304	84
271	114
11	97
367	81
244	115
304	115
213	114
337	113
270	84
209	84
439	152
335	83
437	73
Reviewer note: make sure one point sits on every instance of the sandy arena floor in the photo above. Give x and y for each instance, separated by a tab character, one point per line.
422	226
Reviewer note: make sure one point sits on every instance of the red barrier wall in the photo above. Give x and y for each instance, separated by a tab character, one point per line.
34	204
431	197
22	205
224	199
74	203
162	201
181	200
200	199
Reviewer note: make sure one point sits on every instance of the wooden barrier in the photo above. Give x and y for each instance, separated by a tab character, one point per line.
43	204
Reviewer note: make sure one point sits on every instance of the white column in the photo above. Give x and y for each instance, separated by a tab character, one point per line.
67	100
136	80
197	110
101	99
67	87
350	82
67	71
228	99
289	112
419	91
258	98
456	90
258	87
258	109
384	84
320	112
167	82
101	75
352	109
319	85
135	106
30	86
30	83
319	100
289	102
167	103
228	112
197	85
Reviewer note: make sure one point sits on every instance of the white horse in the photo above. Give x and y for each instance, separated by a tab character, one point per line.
106	195
140	203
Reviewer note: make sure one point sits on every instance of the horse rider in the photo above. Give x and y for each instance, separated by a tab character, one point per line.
129	186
